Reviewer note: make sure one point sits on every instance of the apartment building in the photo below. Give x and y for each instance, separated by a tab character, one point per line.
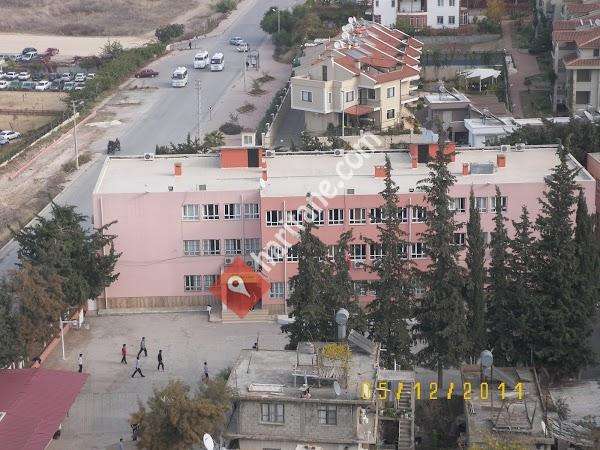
365	80
180	220
437	14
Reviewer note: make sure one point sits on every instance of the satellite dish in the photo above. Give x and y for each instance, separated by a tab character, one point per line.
208	441
597	22
487	359
345	35
337	388
337	45
543	424
341	317
350	21
346	28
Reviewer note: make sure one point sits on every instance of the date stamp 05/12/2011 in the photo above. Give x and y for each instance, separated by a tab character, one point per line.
385	390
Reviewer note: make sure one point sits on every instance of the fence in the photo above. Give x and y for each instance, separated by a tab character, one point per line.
280	106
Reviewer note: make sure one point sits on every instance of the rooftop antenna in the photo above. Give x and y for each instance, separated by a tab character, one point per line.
208	441
341	318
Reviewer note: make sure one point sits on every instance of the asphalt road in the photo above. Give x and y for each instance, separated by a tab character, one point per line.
170	113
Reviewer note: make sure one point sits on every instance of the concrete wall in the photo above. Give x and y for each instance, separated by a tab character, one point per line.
469	39
284	108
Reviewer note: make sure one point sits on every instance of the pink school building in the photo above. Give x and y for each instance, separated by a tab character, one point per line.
182	219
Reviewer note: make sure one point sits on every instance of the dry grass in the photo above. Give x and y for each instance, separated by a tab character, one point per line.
91	17
32	100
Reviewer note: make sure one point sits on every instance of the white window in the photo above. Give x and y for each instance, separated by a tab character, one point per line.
393	3
191	248
293	217
292	253
251	245
251	211
451	20
358	252
328	413
458	204
358	216
402	251
403	214
190	212
211	246
459	239
481	203
335	216
332	251
209	281
233	211
210	211
306	96
274	218
391	92
276	290
275	253
419	214
440	19
503	203
350	96
272	413
391	113
440	2
376	251
233	246
417	250
193	282
377	215
451	2
316	216
329	97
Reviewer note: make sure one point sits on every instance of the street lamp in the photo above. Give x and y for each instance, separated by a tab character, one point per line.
343	104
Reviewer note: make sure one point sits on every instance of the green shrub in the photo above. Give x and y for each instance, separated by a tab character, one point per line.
225	6
487	26
170	32
69	167
230	128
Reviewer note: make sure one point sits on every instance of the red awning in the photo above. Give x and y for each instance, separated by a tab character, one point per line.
35	401
358	110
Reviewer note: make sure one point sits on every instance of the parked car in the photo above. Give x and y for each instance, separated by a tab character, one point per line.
14	84
28	50
146	73
66	76
10	134
80	86
79	77
236	40
3	84
11	75
69	86
23	76
53	76
43	85
243	47
38	76
56	85
29	56
3	141
90	76
28	85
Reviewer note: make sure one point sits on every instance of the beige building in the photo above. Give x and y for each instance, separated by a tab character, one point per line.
364	80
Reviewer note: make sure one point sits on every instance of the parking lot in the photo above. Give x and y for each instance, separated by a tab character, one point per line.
99	416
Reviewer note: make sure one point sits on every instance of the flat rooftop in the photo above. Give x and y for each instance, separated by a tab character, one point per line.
447	97
296	174
270	374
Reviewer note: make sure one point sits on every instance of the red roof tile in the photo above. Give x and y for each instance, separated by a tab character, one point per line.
582	62
572	24
36	401
349	63
584	39
404	72
387	63
412	52
579	8
358	110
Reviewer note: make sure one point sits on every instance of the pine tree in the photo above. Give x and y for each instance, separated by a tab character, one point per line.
441	315
502	309
10	339
390	310
560	345
521	288
475	294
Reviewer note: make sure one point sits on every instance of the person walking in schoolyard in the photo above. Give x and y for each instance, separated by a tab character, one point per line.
143	347
205	371
80	362
121	444
160	361
138	369
124	354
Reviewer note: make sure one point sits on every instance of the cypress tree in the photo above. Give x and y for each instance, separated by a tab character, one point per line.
475	294
502	310
441	315
10	339
390	310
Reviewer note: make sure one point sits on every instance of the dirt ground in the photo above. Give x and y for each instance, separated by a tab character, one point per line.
23	123
48	101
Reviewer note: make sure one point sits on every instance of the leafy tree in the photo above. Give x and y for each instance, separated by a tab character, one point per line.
441	315
560	342
502	308
214	139
85	260
192	146
176	419
112	49
10	339
269	21
390	310
38	293
495	10
169	32
475	294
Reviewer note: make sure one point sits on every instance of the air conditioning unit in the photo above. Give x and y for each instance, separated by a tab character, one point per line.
338	152
350	191
504	148
170	188
229	260
269	153
520	147
201	187
148	156
253	264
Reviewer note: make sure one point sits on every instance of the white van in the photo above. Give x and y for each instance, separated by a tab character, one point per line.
201	60
179	77
217	62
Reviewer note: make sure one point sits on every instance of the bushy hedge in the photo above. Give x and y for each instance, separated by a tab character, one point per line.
169	32
262	125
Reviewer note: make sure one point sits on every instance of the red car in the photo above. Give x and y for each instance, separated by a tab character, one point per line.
146	73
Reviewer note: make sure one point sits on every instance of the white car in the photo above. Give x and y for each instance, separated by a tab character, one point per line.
23	76
243	47
90	76
79	77
3	84
11	75
43	85
9	134
80	86
66	77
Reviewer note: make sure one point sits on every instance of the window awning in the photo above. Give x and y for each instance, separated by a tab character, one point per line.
358	110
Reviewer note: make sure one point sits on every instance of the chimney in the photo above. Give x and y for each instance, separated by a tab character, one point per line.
263	169
178	170
501	160
465	170
414	161
380	172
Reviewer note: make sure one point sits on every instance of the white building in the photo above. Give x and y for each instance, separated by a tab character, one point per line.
437	14
385	12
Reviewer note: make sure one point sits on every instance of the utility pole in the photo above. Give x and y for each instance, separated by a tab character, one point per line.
199	107
342	103
75	135
278	20
244	60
